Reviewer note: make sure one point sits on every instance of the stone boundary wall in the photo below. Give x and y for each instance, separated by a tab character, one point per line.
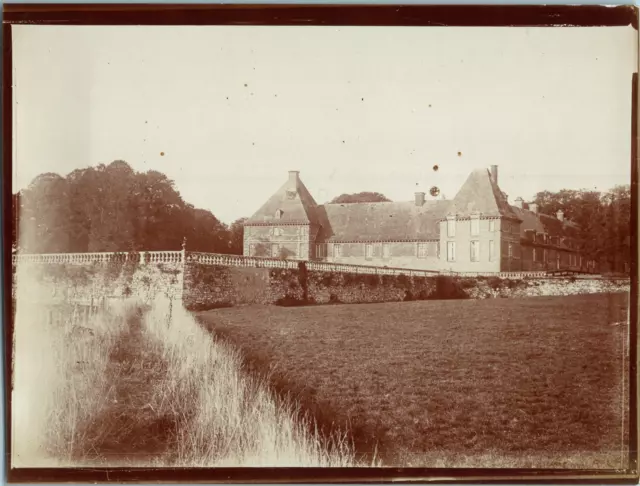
202	285
208	287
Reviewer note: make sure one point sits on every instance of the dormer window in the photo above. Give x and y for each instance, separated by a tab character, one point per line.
279	214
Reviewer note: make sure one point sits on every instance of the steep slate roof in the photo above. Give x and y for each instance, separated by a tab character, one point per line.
545	223
300	209
382	221
480	194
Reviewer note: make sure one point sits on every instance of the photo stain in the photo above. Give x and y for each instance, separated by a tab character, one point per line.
245	85
161	154
459	154
435	167
434	191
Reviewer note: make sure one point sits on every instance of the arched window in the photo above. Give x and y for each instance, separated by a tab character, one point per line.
279	213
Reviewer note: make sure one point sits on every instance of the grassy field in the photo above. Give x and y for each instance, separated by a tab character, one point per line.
535	382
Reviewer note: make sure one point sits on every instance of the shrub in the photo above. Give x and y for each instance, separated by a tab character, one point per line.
290	301
495	283
390	280
371	280
327	279
403	281
468	283
448	288
422	294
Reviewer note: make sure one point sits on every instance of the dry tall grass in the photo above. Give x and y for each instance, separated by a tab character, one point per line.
83	388
226	417
59	380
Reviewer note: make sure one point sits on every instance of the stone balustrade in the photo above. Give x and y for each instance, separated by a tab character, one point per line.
238	260
98	258
154	257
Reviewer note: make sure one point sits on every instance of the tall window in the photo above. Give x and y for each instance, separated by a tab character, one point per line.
252	249
492	225
507	227
510	250
368	251
492	250
275	250
422	250
475	226
534	255
451	228
475	251
303	251
337	250
320	250
279	213
386	250
558	261
544	255
276	232
451	251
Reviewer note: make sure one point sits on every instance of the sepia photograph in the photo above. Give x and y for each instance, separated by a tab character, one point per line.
322	246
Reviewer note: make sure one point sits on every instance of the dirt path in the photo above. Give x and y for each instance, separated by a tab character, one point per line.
131	429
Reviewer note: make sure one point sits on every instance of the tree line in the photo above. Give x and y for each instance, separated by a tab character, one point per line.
604	219
112	208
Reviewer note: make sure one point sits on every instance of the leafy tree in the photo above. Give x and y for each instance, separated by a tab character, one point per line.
604	220
237	236
45	214
360	197
113	208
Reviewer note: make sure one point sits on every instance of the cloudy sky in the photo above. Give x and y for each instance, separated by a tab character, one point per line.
226	111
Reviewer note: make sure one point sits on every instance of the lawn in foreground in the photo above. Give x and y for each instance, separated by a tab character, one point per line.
534	382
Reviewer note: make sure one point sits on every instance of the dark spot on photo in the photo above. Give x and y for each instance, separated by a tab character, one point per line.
434	191
435	167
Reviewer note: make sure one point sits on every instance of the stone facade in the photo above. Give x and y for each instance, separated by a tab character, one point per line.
476	231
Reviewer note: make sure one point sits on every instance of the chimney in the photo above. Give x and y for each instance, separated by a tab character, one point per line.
560	214
420	198
494	174
533	207
519	202
294	176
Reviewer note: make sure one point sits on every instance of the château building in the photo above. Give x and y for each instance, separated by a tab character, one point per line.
476	231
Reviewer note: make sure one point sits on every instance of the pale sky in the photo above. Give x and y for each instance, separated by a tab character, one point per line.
353	109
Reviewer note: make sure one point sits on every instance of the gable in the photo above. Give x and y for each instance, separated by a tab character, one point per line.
480	194
291	203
